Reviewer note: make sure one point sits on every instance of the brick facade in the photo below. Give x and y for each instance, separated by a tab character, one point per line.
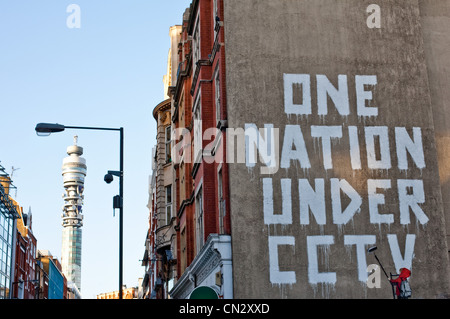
200	213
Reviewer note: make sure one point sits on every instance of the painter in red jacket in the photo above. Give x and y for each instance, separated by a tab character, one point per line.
405	273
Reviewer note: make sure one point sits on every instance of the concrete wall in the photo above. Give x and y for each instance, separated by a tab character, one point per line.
378	163
435	17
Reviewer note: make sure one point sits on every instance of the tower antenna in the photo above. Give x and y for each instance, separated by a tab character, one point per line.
12	173
74	172
13	170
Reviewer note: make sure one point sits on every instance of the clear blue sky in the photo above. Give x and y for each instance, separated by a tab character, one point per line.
107	73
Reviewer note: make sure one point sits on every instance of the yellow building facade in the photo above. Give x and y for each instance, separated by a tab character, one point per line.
128	293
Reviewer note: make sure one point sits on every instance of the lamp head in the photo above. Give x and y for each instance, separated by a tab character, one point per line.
45	129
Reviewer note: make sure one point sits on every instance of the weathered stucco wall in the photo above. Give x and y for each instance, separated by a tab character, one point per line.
353	107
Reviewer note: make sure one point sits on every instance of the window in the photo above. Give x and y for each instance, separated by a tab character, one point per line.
197	130
168	144
221	202
217	97
215	8
199	220
168	204
215	15
6	224
196	42
183	249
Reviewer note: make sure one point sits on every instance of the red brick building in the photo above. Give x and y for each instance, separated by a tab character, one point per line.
24	285
201	173
193	247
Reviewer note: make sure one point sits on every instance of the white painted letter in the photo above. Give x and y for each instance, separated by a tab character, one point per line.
385	161
399	261
362	95
285	217
326	133
411	200
312	199
339	217
291	82
277	276
313	264
378	199
338	96
355	153
293	136
361	242
415	148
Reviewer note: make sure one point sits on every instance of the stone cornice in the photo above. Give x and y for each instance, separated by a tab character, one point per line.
216	250
161	107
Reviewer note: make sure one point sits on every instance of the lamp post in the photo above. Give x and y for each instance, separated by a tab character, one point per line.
45	129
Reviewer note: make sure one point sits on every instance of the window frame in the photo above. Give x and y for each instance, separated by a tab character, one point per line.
220	200
215	14
168	143
168	208
217	101
198	134
196	49
199	220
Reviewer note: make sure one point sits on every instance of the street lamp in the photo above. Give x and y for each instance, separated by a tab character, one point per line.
45	129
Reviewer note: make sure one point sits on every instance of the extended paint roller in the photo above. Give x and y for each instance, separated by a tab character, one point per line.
372	249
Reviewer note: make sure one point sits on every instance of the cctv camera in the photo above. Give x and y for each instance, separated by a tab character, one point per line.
108	178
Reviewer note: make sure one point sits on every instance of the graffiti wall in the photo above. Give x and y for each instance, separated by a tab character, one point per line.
340	155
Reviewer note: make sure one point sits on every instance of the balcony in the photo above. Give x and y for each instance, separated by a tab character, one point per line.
165	236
